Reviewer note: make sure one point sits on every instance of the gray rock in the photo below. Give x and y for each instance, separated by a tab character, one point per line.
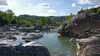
12	38
28	49
33	36
83	25
88	46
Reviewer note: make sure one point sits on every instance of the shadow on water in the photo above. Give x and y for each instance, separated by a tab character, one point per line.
66	42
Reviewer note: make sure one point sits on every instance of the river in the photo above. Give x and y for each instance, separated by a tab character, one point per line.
57	45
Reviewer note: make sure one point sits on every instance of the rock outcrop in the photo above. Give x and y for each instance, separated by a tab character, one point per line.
28	49
83	25
85	28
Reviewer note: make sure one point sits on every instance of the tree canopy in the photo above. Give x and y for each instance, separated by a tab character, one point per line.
8	17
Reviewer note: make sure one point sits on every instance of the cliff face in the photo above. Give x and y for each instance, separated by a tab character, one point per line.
82	25
86	28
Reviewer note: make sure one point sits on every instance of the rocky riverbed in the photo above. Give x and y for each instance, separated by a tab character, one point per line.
15	43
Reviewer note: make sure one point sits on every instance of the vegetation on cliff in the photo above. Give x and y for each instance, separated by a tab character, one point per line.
91	10
68	18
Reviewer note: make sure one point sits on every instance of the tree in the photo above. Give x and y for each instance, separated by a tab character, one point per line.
10	12
10	15
69	17
98	11
43	21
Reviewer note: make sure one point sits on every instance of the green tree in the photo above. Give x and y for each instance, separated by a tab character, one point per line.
10	12
69	18
9	15
98	11
43	21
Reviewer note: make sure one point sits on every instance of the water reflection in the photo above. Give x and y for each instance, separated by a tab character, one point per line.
70	46
58	46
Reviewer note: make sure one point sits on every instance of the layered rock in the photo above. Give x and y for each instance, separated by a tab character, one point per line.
28	49
83	25
88	46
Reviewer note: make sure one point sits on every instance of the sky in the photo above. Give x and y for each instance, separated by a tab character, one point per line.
47	7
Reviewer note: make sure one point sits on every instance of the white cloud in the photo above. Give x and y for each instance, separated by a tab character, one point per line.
51	11
13	4
97	6
3	3
63	14
93	6
84	2
88	1
73	4
30	4
89	7
27	7
45	9
44	5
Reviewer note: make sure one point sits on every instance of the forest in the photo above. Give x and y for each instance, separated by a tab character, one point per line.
8	17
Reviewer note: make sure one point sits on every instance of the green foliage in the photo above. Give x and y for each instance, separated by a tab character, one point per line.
8	17
43	21
69	18
91	10
98	11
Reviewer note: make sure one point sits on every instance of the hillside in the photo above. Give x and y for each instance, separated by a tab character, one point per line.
58	18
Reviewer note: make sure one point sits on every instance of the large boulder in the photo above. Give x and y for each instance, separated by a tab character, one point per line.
88	46
28	49
82	25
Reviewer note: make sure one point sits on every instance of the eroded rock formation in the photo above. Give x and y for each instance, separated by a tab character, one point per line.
88	46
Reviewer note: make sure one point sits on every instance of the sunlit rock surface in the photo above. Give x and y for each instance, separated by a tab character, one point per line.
89	46
28	49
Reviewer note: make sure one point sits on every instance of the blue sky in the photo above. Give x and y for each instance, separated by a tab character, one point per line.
47	7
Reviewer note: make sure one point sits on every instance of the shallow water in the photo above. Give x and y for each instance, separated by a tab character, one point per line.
58	46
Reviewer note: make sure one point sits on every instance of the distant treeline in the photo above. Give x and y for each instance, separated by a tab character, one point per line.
8	18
